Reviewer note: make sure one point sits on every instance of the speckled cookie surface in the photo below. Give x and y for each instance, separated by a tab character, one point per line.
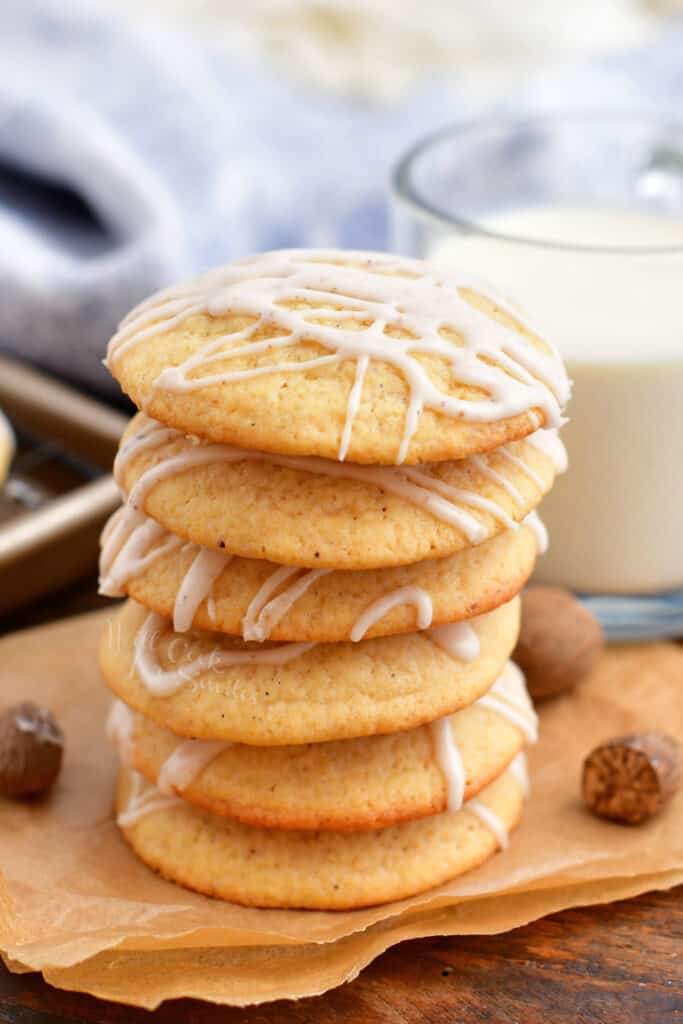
265	354
300	515
325	692
313	870
348	785
459	586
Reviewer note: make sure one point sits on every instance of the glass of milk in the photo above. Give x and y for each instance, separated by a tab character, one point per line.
578	221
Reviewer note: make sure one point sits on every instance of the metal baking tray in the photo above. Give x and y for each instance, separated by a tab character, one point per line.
59	491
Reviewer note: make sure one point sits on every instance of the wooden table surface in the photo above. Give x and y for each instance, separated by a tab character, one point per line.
618	964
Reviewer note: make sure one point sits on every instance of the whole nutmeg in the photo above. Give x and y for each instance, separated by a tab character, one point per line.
31	748
559	641
630	778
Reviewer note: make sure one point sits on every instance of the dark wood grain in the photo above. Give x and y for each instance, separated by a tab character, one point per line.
619	964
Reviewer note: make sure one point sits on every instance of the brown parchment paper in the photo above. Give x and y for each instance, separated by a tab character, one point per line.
257	974
77	905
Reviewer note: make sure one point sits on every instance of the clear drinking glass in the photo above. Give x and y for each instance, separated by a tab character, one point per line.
578	221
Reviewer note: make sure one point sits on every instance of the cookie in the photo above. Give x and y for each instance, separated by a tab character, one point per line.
211	686
315	870
314	513
212	590
359	356
346	785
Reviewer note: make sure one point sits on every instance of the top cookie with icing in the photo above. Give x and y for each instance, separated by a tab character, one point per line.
346	355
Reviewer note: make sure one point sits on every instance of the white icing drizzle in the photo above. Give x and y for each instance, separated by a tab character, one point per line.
353	405
518	768
449	761
129	539
206	567
491	820
150	435
498	478
522	466
379	608
510	700
144	799
379	292
263	613
181	767
461	495
459	639
552	446
162	682
547	441
186	763
130	543
534	522
119	728
508	697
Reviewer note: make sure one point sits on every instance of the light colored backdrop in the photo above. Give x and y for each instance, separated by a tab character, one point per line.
378	48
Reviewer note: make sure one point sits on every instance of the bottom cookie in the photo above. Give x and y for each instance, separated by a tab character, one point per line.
314	870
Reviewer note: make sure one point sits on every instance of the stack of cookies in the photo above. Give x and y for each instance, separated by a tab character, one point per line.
329	512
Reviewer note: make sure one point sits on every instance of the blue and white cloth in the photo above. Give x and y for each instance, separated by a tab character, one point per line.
132	156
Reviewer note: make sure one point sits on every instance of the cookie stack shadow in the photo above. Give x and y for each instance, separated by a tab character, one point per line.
315	703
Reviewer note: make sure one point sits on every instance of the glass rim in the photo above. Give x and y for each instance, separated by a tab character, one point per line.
404	191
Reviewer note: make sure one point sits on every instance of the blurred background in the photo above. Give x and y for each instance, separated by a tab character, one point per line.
143	140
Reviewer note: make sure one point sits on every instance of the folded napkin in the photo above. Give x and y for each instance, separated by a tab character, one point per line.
132	154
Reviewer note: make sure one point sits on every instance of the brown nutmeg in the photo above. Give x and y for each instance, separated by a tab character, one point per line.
559	641
31	748
628	779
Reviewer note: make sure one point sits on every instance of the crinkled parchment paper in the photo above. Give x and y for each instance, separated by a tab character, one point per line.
77	905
